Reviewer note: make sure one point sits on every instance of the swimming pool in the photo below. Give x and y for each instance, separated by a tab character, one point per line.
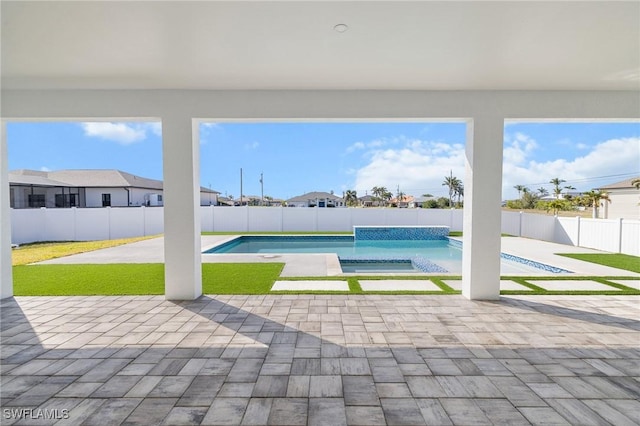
404	256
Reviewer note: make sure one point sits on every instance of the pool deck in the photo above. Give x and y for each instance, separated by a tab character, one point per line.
322	265
321	360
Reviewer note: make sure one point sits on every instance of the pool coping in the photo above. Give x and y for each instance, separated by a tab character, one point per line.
543	253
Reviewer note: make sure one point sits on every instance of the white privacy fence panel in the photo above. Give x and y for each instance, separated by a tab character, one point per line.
334	219
206	219
124	223
299	219
75	224
60	225
264	218
28	226
537	226
511	223
630	237
567	231
91	224
368	217
229	219
600	234
153	220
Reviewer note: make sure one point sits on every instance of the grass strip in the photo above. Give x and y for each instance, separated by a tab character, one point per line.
138	279
613	260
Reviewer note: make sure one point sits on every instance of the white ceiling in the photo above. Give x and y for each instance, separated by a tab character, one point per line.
446	45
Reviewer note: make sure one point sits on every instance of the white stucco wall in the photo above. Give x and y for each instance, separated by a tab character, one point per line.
625	203
118	197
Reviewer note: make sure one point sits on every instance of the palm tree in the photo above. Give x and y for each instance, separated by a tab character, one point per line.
379	192
459	192
519	188
543	191
556	186
351	198
387	196
595	195
636	183
556	205
452	182
400	197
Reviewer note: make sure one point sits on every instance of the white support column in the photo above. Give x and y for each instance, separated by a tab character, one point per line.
482	211
181	161
6	272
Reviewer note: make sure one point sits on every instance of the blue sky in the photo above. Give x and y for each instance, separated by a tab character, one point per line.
302	157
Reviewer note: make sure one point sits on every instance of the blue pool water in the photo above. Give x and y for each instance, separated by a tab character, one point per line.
443	255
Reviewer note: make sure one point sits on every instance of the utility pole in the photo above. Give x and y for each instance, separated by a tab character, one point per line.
261	190
240	186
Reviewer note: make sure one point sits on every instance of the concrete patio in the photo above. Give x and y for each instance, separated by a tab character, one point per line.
361	360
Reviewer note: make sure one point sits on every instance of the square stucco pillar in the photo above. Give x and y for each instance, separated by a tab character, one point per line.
181	195
6	272
482	209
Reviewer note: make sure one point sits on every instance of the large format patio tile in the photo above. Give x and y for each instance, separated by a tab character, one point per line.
325	359
310	285
398	285
571	285
504	285
629	283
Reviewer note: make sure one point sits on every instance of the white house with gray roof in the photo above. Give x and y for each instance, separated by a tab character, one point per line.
88	188
625	201
316	199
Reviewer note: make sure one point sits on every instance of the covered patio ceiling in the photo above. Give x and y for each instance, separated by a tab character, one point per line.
292	45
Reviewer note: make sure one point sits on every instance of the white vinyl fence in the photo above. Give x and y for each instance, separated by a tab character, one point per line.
76	224
612	235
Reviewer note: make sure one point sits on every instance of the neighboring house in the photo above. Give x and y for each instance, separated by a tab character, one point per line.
316	199
404	202
419	201
88	188
368	201
273	202
625	201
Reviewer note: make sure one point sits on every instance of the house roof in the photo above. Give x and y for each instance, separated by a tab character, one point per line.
19	177
312	196
87	178
405	199
625	184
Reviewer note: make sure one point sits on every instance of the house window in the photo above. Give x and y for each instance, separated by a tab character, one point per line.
36	200
12	198
106	200
66	200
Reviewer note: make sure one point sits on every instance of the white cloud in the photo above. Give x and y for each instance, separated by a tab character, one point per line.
355	147
607	158
417	167
45	169
420	166
122	133
251	146
156	128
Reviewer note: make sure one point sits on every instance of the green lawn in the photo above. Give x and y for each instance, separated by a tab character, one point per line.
145	278
614	260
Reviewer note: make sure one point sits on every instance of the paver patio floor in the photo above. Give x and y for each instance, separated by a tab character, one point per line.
331	359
